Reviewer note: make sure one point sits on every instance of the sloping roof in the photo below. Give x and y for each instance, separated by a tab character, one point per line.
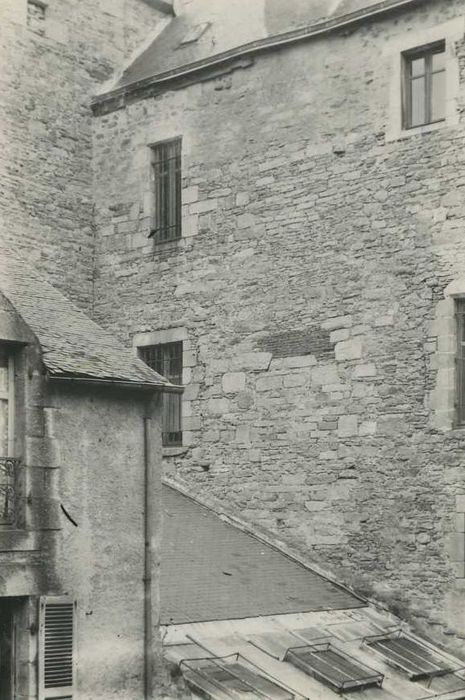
212	570
262	645
72	344
167	54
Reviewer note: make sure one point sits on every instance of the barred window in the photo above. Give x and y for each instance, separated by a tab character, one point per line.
424	86
166	172
460	362
166	359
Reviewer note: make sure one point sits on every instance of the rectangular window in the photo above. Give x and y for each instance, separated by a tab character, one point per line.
408	655
424	86
166	173
460	362
166	359
333	668
6	403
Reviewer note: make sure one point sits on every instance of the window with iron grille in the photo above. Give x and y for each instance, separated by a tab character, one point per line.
166	359
409	655
460	362
235	677
166	175
333	668
424	86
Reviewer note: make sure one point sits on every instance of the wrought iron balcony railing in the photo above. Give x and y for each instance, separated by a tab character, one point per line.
8	480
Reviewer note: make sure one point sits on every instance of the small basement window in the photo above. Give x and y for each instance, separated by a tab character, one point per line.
232	675
333	668
410	656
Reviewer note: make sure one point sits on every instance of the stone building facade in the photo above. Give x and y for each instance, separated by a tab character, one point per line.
54	56
80	511
80	452
313	285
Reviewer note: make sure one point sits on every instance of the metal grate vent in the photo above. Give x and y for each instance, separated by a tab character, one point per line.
333	668
410	656
232	676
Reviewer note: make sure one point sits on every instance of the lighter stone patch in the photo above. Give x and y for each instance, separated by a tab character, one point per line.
347	426
233	382
349	349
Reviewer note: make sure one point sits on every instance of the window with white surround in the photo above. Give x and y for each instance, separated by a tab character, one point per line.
424	79
424	89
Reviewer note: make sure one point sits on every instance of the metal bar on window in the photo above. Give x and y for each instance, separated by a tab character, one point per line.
167	175
460	360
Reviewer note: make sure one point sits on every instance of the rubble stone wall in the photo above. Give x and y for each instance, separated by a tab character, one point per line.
309	279
54	57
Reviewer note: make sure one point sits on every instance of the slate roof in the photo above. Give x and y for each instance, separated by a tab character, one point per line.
72	344
212	570
166	54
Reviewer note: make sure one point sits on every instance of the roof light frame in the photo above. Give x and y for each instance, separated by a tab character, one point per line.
438	662
223	663
369	677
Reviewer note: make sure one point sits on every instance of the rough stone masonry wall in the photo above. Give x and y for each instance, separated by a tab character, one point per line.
54	55
302	220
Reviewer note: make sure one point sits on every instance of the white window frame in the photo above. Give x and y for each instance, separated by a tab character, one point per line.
449	32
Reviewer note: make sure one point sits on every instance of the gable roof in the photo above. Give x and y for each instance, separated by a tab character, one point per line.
167	56
212	570
72	344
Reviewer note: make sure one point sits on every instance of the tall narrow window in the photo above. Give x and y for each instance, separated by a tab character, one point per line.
460	362
166	169
166	359
424	86
6	403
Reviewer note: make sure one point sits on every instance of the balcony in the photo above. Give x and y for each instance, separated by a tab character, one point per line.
8	480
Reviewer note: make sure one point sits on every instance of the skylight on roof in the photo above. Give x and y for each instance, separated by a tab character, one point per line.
194	33
410	656
232	676
333	668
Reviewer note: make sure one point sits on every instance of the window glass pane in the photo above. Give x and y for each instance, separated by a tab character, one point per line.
438	96
417	66
3	370
418	115
3	428
439	61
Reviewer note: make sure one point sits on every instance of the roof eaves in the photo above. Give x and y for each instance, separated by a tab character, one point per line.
117	383
118	98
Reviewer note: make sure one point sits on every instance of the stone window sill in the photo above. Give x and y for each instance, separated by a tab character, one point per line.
415	131
17	540
174	451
